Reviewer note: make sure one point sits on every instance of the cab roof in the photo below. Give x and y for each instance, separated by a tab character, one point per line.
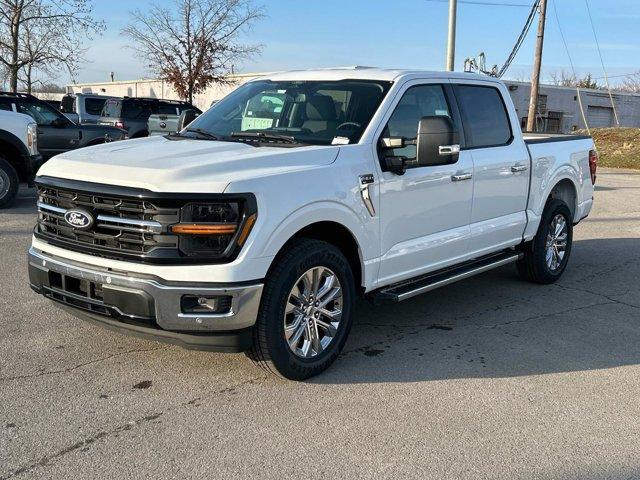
371	73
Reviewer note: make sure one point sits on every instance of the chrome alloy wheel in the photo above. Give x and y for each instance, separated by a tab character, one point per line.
556	245
313	312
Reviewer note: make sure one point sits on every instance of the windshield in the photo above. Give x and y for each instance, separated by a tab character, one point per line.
41	112
310	112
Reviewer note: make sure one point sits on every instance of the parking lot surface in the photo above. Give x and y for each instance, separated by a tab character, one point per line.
491	377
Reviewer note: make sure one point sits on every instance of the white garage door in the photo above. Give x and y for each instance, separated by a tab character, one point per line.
599	116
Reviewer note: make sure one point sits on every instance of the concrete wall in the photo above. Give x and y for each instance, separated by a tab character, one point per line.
561	100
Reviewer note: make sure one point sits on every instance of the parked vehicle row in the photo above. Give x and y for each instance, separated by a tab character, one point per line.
132	114
256	227
56	133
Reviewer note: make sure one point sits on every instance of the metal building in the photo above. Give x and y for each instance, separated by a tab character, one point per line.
559	107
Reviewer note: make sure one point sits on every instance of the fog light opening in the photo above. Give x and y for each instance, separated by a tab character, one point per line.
203	304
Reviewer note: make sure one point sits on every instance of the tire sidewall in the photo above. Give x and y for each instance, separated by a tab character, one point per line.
554	207
14	183
278	288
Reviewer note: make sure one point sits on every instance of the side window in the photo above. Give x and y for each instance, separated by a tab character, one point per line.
417	102
93	106
5	105
484	116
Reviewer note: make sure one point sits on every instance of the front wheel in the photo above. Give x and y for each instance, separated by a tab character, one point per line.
305	312
9	183
547	255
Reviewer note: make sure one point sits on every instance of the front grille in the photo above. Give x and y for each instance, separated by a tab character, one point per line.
122	226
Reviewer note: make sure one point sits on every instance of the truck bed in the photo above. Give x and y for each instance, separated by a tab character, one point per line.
534	137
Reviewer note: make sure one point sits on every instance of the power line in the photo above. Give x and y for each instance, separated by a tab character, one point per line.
604	70
477	2
520	40
573	70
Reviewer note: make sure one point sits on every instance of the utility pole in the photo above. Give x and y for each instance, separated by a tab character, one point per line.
537	62
451	40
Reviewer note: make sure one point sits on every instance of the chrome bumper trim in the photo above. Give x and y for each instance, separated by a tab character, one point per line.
245	299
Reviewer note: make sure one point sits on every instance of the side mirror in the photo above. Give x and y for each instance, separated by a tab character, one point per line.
397	165
186	117
59	123
438	141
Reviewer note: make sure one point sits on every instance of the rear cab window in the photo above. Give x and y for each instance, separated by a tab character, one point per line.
93	106
138	109
111	108
68	104
484	116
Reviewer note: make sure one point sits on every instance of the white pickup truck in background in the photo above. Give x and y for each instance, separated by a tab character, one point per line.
19	155
255	228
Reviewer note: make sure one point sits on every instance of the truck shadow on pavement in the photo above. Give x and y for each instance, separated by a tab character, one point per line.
24	203
496	325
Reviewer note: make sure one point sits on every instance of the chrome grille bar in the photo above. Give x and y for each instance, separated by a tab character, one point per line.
150	226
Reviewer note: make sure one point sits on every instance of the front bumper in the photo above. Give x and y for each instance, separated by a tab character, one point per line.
147	306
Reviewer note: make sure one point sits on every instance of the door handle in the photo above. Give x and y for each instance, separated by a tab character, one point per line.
448	149
518	168
461	177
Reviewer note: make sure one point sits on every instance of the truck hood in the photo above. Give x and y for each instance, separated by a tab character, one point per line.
184	165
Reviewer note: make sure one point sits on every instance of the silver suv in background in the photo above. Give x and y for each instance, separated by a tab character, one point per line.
83	108
132	114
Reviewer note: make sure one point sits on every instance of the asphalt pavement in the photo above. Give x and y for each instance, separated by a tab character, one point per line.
489	378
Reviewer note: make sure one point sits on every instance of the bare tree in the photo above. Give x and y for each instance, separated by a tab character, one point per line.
564	79
631	83
194	44
43	34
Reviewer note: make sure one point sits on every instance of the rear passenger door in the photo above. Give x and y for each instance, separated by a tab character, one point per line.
501	166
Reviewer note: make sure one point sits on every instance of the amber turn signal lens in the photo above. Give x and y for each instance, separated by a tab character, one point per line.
203	229
246	230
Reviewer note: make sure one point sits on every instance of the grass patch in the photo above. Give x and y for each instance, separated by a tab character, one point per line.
617	147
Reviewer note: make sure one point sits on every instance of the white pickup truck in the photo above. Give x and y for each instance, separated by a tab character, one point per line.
19	155
256	227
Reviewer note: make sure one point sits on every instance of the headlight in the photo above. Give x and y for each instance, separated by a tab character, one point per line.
32	138
214	229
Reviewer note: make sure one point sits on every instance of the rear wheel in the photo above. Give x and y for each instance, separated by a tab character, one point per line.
9	183
546	256
305	313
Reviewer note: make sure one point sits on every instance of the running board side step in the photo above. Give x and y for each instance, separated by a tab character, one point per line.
425	283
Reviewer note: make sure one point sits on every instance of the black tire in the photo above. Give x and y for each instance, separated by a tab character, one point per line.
270	349
9	183
533	267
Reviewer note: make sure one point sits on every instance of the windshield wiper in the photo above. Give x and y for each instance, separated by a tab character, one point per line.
203	133
266	137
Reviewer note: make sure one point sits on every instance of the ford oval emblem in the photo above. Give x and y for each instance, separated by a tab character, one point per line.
79	219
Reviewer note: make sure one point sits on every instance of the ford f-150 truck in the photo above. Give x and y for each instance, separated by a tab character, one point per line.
256	227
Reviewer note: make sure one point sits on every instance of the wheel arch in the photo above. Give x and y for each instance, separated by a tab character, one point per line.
13	151
340	237
566	190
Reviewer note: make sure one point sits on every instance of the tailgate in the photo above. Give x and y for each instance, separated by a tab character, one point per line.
161	124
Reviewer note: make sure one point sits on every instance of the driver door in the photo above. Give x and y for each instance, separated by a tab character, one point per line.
426	212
